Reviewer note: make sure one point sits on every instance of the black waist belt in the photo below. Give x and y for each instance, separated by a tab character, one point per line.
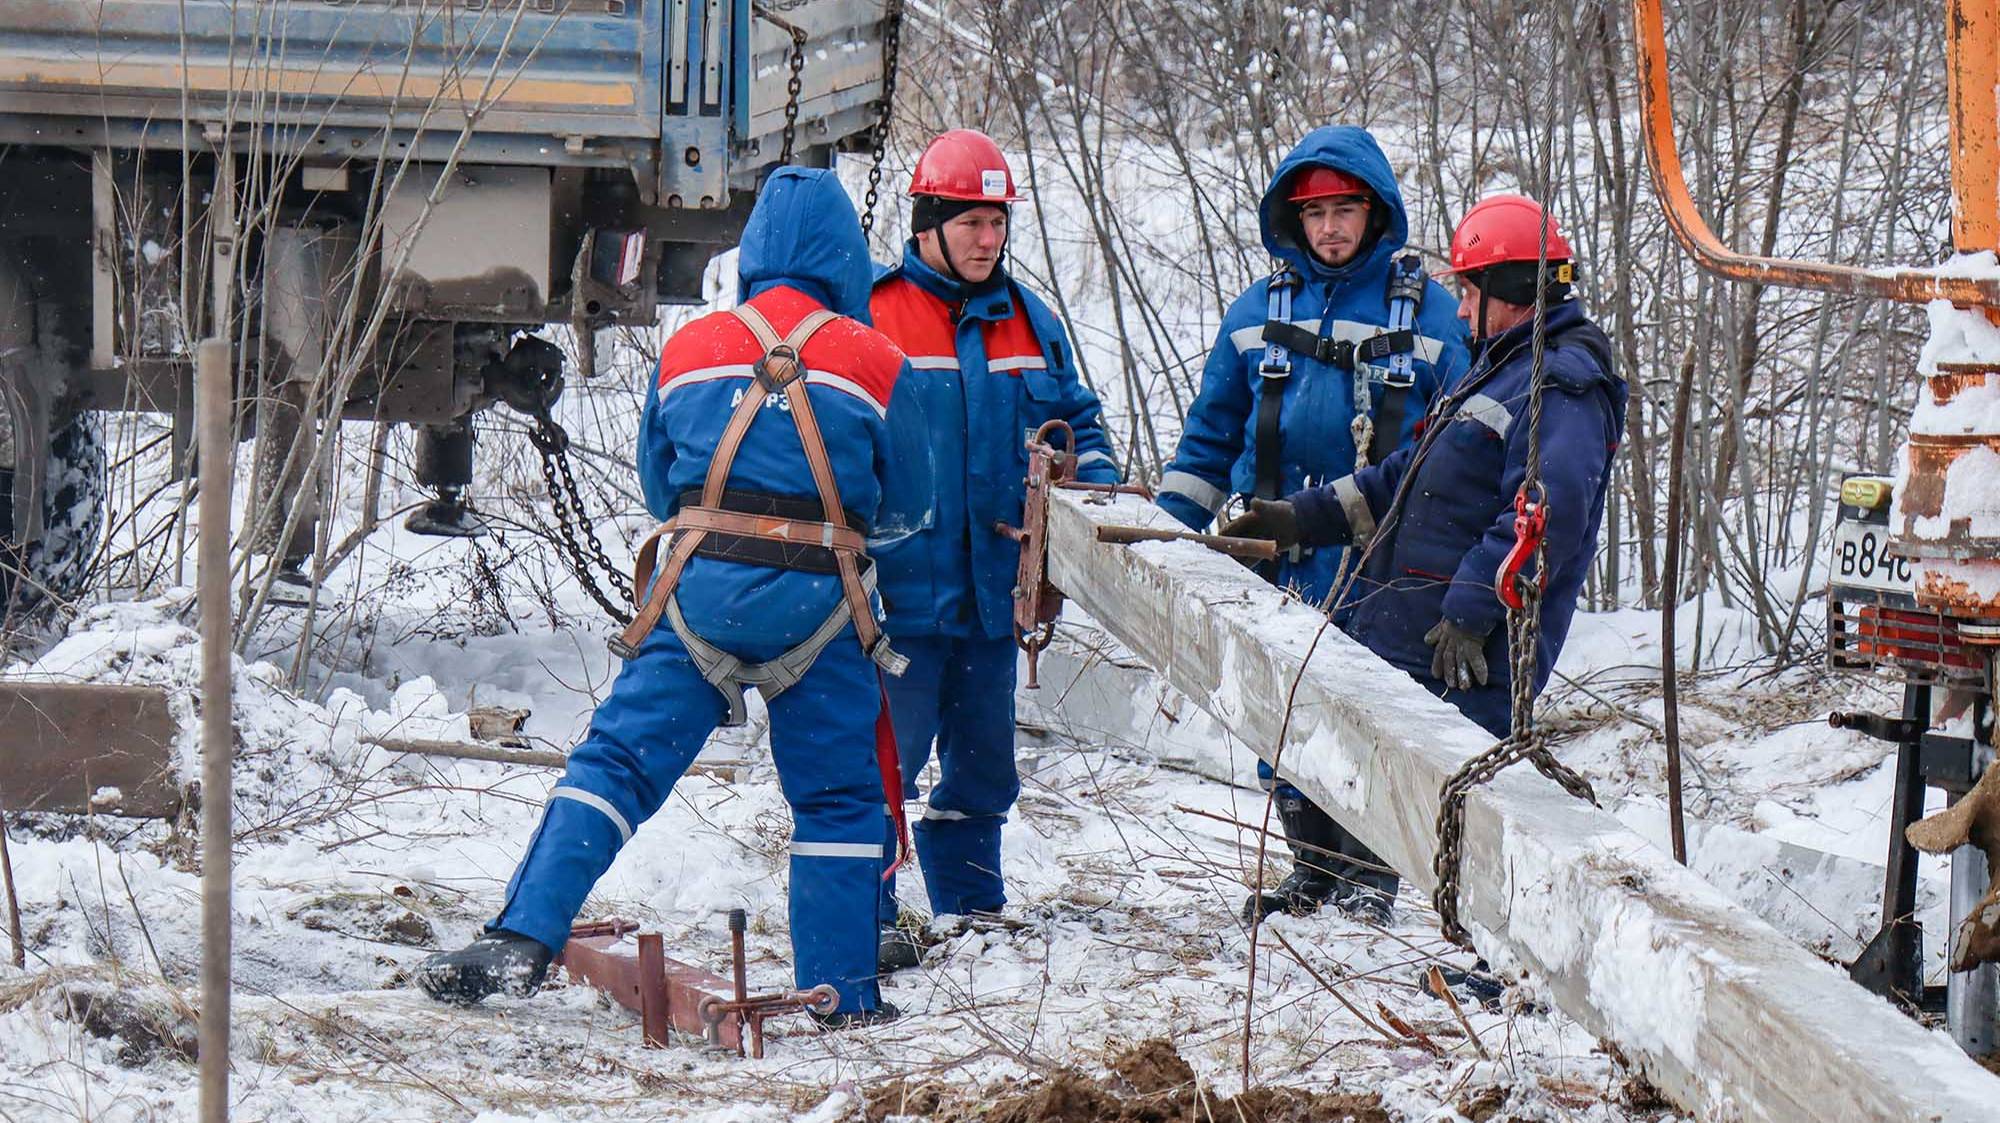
770	551
1342	353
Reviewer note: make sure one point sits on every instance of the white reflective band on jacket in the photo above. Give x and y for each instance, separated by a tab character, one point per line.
1196	489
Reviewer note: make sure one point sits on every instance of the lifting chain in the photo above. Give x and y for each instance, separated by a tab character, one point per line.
552	442
768	12
1524	741
892	43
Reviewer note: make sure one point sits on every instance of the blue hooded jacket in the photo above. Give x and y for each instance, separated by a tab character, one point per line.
802	249
1438	559
991	363
1217	457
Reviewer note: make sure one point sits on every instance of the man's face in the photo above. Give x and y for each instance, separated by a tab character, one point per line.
1500	315
975	240
1334	227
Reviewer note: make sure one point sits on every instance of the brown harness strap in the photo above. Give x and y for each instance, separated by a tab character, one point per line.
865	628
783	366
799	532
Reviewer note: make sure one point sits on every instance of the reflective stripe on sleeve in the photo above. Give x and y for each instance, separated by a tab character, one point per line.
596	803
1489	413
1208	496
1360	520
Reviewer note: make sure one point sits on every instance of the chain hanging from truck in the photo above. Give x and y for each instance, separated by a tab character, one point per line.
552	442
794	84
892	44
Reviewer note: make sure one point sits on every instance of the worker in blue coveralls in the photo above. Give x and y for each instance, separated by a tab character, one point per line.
1324	365
1425	599
765	580
991	363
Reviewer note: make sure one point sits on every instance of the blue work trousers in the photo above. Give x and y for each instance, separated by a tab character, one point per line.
642	739
958	694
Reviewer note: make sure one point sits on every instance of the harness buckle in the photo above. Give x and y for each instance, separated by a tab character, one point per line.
621	649
779	367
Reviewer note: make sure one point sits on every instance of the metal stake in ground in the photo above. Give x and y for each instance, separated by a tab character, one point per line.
214	400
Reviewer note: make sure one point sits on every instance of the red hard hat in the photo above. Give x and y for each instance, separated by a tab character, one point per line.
1502	228
965	165
1318	182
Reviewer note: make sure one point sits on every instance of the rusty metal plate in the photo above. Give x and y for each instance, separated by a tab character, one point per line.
79	748
661	991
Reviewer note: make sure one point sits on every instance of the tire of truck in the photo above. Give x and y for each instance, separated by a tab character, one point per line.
45	558
59	562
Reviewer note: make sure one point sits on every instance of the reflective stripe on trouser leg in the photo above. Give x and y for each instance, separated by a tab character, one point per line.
958	839
823	742
915	708
642	738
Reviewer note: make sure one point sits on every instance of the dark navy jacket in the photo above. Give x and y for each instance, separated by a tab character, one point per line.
1438	560
1217	457
990	364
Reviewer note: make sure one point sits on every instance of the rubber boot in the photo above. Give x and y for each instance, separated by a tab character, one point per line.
1477	983
897	950
1310	884
496	962
883	1013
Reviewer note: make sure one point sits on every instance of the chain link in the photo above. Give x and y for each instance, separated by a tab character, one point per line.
892	45
1524	741
793	85
552	442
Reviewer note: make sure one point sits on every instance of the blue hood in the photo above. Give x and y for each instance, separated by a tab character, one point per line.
1342	148
803	234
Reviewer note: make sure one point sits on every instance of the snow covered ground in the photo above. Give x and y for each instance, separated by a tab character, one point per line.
353	862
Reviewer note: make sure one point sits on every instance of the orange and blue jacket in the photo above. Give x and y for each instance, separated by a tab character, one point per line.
990	363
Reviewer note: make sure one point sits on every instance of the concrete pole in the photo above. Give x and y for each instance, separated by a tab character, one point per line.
214	397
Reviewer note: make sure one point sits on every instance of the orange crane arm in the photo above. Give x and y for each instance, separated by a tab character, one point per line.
1972	27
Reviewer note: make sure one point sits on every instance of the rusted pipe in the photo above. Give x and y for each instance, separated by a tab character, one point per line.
1256	549
739	923
1911	286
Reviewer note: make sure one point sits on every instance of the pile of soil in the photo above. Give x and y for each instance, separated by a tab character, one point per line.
1150	1083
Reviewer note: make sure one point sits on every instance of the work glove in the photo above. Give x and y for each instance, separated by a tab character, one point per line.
1460	656
1267	518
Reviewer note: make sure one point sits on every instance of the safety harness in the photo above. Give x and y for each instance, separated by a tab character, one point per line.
782	531
1373	439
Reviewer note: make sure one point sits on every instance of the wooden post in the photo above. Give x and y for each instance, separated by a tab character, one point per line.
1716	1008
13	902
214	394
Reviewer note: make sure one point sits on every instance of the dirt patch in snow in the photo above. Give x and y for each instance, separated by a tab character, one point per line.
143	1023
1150	1083
1153	1066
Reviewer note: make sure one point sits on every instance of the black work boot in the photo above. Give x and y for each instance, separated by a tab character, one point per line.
883	1013
1310	884
897	950
1477	983
499	961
